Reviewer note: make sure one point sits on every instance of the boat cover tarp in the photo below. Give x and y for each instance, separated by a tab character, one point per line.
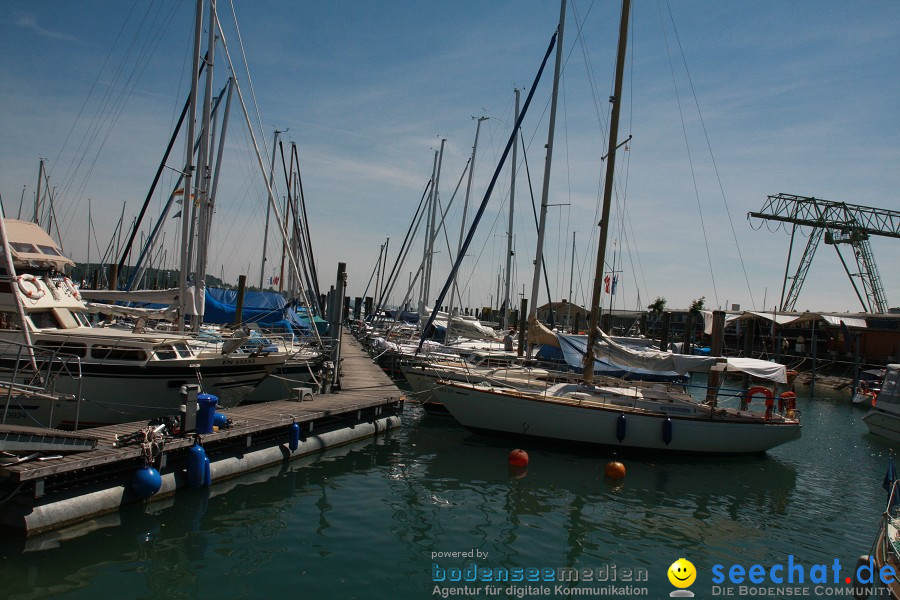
616	360
762	369
268	309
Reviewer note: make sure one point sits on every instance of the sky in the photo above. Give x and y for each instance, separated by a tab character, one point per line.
726	104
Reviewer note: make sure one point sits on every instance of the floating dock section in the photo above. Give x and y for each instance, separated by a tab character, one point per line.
48	491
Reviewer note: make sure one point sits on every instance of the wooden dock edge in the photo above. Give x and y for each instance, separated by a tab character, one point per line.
108	491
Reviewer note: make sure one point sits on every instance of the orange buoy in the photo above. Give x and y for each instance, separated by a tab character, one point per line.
518	458
615	469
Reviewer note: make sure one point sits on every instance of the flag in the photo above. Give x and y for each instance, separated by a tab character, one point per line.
606	281
615	281
890	476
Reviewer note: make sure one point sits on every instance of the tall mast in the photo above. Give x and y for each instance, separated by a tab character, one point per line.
545	191
509	229
262	266
615	99
433	234
189	169
204	162
571	282
37	195
429	224
462	225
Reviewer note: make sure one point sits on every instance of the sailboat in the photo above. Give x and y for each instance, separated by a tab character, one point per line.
658	418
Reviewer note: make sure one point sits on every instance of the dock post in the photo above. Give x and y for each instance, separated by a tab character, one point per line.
523	312
716	347
336	319
812	349
239	304
664	334
749	334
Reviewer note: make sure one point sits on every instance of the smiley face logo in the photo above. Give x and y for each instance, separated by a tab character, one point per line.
682	573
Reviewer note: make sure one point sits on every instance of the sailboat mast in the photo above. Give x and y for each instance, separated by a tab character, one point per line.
433	233
615	99
462	225
262	266
571	286
204	162
189	169
509	229
545	191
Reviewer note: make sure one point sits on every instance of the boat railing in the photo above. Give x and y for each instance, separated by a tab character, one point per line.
33	372
891	517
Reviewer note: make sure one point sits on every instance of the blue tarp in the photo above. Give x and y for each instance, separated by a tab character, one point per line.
268	309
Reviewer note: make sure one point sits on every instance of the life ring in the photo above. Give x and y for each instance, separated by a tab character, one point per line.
787	401
72	289
770	398
35	293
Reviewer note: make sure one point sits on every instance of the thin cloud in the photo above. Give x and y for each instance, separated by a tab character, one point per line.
30	23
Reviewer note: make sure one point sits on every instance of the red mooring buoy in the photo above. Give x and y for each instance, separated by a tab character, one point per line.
615	469
518	458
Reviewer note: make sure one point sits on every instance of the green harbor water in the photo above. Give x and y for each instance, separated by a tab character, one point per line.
383	519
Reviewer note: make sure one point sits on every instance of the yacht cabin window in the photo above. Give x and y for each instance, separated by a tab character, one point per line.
104	352
64	347
44	319
165	353
183	350
10	320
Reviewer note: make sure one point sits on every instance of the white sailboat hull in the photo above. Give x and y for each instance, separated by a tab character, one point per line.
567	421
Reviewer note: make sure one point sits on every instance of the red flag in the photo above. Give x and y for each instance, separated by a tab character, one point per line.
606	281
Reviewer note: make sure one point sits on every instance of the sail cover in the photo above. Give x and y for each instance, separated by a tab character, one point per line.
637	363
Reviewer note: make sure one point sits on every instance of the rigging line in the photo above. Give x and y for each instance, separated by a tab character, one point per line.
118	107
712	276
81	149
711	156
589	69
249	80
537	226
113	105
94	85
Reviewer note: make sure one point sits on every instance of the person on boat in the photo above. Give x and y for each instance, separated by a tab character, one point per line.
508	339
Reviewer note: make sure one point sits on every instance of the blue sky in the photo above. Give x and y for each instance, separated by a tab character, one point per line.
796	97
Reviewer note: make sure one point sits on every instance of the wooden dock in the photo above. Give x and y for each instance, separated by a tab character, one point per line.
48	492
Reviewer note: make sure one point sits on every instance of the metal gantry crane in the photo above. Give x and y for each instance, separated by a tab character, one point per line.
838	223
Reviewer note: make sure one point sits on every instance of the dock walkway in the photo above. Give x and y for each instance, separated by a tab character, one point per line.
50	491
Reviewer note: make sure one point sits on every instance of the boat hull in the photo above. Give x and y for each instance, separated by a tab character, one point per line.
883	423
533	416
123	393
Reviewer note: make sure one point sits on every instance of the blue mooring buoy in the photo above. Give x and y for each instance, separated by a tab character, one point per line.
667	431
146	481
294	442
197	467
620	428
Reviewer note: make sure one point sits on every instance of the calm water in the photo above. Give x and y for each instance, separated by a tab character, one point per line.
363	521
